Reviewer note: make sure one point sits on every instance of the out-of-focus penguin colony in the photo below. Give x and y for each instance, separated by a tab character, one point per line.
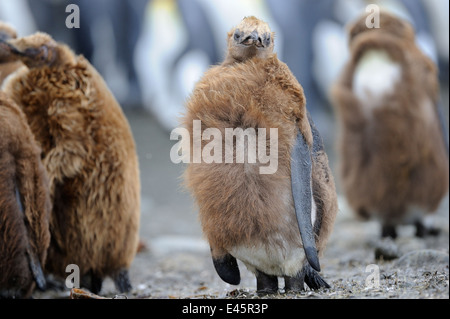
70	178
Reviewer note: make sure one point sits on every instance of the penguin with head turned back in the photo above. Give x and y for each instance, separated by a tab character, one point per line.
7	64
89	153
276	223
392	143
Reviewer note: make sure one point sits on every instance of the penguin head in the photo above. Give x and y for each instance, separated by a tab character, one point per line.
36	50
6	32
251	38
389	23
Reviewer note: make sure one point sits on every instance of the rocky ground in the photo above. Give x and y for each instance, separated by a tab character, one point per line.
175	262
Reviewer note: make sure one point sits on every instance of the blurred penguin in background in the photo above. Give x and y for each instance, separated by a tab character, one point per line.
393	143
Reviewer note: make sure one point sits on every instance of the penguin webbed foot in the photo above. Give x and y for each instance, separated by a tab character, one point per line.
307	276
423	231
266	284
388	231
122	281
54	283
313	279
92	282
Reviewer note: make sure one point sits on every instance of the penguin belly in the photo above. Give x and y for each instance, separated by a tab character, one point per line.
280	260
277	254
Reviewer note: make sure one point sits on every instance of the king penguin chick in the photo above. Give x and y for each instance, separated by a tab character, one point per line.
392	146
277	223
7	64
25	206
90	157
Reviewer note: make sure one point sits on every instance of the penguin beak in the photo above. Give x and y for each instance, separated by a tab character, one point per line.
7	51
252	39
4	36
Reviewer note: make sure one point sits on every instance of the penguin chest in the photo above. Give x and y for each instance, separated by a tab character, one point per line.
376	77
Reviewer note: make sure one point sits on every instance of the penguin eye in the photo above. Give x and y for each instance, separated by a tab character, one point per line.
237	35
267	40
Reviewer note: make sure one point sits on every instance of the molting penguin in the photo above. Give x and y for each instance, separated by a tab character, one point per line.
90	157
392	144
276	222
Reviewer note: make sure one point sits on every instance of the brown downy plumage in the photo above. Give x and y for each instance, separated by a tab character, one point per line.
7	66
24	206
393	158
251	216
90	157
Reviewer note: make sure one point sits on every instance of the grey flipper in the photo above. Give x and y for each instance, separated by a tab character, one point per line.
442	123
36	270
301	170
33	260
227	269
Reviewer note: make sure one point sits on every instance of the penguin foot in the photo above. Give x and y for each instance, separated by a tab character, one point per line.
388	231
307	276
122	281
266	284
423	231
92	281
294	284
54	283
313	279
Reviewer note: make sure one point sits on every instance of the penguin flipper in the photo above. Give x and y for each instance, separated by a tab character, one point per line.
444	130
301	175
33	260
227	268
